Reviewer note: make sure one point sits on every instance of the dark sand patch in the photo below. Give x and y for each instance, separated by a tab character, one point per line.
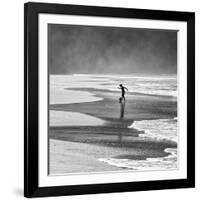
137	107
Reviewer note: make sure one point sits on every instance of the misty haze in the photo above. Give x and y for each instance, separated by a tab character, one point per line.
100	50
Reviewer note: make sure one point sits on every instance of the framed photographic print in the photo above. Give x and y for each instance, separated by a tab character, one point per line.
109	99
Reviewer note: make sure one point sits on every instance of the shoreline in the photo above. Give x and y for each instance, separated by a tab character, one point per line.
64	158
114	138
76	157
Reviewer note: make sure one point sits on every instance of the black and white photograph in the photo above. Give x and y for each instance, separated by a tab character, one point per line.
109	99
112	103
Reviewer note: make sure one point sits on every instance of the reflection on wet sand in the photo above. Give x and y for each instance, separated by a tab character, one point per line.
122	102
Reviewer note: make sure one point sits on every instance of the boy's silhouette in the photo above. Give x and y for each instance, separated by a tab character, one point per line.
123	92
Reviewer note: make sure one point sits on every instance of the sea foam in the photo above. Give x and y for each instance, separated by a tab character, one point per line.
159	129
162	163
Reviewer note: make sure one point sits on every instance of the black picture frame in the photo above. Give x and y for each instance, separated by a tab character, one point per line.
31	170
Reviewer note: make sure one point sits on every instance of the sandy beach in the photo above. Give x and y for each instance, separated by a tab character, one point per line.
79	144
70	157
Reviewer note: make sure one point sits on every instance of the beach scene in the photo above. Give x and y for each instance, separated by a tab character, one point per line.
88	134
112	100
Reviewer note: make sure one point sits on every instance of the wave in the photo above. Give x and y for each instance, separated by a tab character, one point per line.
121	76
162	163
159	129
162	85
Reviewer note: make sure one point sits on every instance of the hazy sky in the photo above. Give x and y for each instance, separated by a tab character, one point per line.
110	50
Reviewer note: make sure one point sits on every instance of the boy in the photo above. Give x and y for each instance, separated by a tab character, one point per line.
123	92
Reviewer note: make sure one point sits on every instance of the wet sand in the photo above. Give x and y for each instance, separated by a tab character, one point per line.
63	118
